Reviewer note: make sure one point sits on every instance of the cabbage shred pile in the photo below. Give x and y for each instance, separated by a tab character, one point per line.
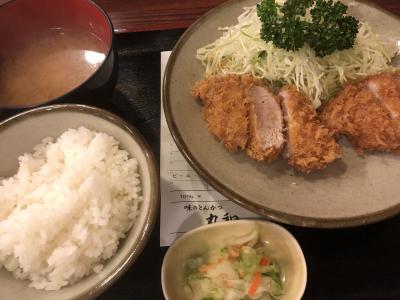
241	50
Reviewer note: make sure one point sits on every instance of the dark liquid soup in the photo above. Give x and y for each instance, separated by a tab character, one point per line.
49	66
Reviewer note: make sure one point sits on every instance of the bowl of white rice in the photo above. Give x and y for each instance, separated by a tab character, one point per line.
78	201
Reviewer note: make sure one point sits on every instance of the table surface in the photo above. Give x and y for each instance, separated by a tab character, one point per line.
355	263
139	15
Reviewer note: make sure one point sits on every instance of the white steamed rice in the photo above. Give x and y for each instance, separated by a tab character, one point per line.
65	210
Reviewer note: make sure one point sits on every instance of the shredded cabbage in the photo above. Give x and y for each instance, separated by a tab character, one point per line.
240	50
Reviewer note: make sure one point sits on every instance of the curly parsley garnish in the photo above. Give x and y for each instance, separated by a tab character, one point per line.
327	28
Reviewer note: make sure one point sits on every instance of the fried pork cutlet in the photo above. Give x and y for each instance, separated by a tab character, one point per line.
311	145
224	101
367	114
266	125
242	114
386	88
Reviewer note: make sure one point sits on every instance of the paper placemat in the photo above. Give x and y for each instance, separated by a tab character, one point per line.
187	201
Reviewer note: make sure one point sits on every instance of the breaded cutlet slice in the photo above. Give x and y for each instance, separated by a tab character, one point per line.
310	144
386	88
266	125
225	107
359	115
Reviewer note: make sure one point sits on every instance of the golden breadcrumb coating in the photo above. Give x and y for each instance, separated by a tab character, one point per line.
225	107
386	88
363	118
311	145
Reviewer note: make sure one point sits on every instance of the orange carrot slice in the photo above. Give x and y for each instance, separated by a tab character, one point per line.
234	251
205	268
264	261
255	283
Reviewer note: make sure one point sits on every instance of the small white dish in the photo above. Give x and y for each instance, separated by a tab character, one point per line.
283	246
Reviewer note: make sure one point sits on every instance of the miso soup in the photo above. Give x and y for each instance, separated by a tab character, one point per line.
48	66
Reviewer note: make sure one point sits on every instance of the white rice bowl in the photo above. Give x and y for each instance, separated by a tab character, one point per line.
64	212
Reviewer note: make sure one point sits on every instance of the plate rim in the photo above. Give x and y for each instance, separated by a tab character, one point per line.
271	214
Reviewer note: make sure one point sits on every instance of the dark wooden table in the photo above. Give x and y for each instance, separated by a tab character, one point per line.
343	264
145	15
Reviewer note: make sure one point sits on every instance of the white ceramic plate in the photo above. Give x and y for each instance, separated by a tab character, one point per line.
352	191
